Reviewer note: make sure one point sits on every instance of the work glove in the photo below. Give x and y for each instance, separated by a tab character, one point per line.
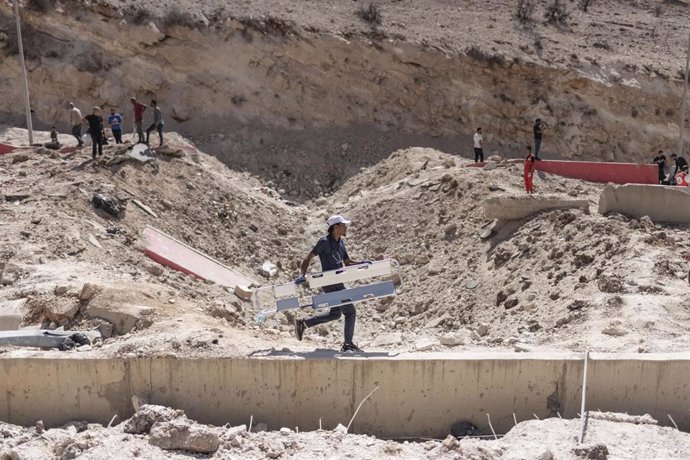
300	280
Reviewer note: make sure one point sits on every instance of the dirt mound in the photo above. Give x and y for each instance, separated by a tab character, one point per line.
561	278
55	241
546	439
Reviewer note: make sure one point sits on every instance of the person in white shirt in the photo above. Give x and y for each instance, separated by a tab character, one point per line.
478	146
75	121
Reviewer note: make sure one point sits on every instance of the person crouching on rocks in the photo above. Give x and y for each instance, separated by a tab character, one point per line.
333	255
528	174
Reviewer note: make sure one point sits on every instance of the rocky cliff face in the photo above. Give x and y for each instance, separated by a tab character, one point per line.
275	97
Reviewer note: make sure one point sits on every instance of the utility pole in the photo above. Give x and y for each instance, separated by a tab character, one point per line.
27	103
684	106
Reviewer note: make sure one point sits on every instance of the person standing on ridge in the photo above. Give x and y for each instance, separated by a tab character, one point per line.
528	173
478	146
539	127
333	255
75	122
138	118
95	122
157	123
115	123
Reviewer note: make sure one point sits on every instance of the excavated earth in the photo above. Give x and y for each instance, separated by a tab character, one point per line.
292	111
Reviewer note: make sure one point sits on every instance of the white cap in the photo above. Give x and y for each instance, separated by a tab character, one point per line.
333	220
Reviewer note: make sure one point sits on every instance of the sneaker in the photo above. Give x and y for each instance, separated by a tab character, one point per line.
350	347
299	329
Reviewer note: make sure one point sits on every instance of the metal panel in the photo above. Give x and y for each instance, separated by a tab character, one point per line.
287	304
350	274
356	294
284	290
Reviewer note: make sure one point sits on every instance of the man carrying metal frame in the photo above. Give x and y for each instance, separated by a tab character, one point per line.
333	255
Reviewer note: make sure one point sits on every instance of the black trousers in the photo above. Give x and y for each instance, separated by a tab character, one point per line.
160	133
117	134
96	143
478	155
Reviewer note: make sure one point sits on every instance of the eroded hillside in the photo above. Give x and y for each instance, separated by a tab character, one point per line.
294	90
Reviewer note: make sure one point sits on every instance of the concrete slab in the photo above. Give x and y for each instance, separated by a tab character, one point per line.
513	208
662	203
428	392
616	173
11	314
167	251
40	338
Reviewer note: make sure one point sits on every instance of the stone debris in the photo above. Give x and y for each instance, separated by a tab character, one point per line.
123	316
268	270
243	292
183	434
147	415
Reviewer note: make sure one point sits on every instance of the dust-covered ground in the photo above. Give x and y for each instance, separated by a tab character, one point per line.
559	280
156	432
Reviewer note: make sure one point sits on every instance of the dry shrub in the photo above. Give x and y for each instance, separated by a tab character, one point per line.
524	12
480	55
557	13
42	6
370	14
585	4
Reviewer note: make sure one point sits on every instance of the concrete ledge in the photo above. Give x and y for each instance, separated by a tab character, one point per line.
513	208
419	395
662	203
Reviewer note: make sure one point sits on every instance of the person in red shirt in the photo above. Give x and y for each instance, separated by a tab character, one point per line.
682	176
529	170
138	118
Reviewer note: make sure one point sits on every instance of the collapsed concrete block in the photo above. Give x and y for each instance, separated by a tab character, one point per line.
662	203
11	314
243	292
148	415
514	208
123	316
184	435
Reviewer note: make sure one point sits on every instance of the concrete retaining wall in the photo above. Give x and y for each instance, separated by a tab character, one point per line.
662	203
519	207
419	395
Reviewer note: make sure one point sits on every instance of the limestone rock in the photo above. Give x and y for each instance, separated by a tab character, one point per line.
388	338
426	343
87	292
182	434
11	314
61	310
10	274
243	292
123	316
615	330
451	339
482	329
591	452
148	415
154	269
235	431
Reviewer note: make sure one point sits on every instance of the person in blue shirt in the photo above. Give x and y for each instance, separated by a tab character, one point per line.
333	255
115	123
